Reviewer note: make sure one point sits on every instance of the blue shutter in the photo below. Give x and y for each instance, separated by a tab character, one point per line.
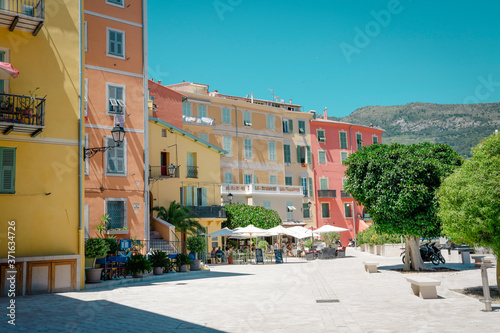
7	170
204	201
311	193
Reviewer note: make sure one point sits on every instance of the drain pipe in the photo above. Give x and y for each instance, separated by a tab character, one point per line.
355	214
237	142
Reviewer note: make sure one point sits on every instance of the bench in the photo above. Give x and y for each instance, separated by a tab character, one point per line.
477	260
423	286
371	267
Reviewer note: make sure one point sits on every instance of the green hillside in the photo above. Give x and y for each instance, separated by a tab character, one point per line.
462	126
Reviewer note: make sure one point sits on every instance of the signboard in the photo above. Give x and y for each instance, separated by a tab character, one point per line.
215	244
279	256
125	244
259	256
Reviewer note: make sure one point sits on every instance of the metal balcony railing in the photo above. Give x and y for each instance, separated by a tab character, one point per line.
162	172
21	114
192	171
344	194
327	193
26	15
208	211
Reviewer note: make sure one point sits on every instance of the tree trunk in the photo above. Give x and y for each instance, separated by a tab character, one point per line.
498	272
183	237
416	260
407	254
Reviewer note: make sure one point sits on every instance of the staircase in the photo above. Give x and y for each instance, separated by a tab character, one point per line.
156	242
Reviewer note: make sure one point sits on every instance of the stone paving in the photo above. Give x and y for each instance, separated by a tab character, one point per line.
266	298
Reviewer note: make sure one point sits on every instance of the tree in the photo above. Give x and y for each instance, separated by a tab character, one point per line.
396	184
469	199
239	215
182	218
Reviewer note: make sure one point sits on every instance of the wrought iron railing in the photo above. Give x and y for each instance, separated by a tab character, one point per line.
162	171
208	211
18	109
33	8
344	194
192	171
327	193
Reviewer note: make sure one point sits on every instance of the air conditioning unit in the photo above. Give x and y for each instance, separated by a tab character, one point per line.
321	139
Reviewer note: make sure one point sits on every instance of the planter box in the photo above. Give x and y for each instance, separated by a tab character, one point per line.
379	249
372	249
117	232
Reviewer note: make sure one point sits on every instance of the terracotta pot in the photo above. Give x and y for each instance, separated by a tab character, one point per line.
158	271
229	260
93	275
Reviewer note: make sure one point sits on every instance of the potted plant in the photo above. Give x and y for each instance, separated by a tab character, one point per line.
230	257
137	264
159	261
182	261
95	248
196	244
113	246
262	244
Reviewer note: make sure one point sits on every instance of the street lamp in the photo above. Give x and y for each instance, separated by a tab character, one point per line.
171	170
118	134
230	198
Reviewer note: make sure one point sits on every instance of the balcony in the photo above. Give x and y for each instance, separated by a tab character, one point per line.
21	114
327	193
192	171
208	211
345	195
25	15
257	189
161	172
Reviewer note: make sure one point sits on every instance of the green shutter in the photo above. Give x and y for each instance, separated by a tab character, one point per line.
287	153
298	154
7	170
195	196
311	193
290	125
309	157
204	201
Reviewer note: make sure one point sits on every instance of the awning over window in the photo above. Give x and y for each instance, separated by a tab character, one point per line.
290	208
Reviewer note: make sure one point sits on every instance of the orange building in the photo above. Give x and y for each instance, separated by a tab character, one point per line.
116	86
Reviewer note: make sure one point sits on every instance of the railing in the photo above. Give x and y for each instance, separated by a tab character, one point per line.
344	194
249	189
327	193
33	8
192	171
208	211
18	109
162	172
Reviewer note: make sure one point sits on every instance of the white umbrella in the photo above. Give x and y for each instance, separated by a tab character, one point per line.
329	228
252	230
224	232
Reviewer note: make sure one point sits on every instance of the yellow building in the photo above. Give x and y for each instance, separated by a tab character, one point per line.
194	179
41	146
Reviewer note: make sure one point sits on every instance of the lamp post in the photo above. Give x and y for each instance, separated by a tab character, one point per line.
171	170
118	134
309	204
230	198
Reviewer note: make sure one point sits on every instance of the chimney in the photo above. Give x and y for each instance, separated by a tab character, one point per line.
325	114
290	101
252	97
371	125
159	81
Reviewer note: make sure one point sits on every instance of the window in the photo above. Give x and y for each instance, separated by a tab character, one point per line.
343	156
192	168
201	197
303	182
272	151
287	154
270	122
255	179
289	210
325	210
302	127
186	109
321	135
203	136
87	164
226	116
3	58
343	140
305	210
347	210
116	158
267	204
304	154
285	125
116	43
359	141
85	35
164	132
7	169
188	196
86	98
28	10
290	125
115	2
273	180
323	183
247	179
116	208
248	148
289	181
164	163
311	192
375	139
228	178
227	145
247	118
202	111
322	156
116	99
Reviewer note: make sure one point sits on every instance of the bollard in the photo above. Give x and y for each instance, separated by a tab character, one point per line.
485	264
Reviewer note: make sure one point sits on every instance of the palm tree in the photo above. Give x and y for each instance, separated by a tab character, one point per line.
182	218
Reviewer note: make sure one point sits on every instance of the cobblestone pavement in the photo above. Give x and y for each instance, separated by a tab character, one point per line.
266	298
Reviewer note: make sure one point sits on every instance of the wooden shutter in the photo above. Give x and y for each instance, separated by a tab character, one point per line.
7	170
311	193
290	125
309	157
204	201
298	155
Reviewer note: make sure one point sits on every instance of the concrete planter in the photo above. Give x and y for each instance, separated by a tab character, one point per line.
183	268
196	266
379	249
372	249
93	275
158	271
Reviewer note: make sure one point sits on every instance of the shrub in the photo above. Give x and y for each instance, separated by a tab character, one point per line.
113	245
239	215
262	244
137	264
196	244
331	238
159	259
96	248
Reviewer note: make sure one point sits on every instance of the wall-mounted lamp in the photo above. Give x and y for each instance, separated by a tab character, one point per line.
118	134
230	198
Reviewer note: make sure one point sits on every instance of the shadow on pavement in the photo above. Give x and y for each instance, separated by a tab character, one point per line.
434	268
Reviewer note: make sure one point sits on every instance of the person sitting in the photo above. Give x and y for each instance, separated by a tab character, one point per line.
212	255
220	255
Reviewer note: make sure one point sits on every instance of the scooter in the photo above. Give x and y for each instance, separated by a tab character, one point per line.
352	242
427	253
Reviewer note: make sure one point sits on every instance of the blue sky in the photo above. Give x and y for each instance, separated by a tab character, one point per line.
328	53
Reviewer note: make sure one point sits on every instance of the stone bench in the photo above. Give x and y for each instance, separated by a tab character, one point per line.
371	267
424	287
477	260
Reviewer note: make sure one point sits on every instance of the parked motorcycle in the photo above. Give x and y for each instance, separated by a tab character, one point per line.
352	242
437	251
428	253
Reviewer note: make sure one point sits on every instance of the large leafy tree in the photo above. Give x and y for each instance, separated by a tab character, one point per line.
239	215
182	218
396	184
469	199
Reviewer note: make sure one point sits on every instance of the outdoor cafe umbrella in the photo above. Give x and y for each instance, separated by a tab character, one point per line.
252	230
224	232
282	230
329	228
7	71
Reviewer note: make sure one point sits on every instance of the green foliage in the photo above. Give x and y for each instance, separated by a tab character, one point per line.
371	237
396	184
308	243
182	259
181	217
159	259
239	215
137	264
196	244
96	248
331	238
469	199
112	244
103	226
262	244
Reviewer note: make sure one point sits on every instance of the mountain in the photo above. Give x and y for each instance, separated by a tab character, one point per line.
461	126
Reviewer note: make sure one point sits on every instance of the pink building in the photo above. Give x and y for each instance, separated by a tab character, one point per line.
331	143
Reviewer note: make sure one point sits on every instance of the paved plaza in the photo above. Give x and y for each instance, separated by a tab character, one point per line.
267	298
